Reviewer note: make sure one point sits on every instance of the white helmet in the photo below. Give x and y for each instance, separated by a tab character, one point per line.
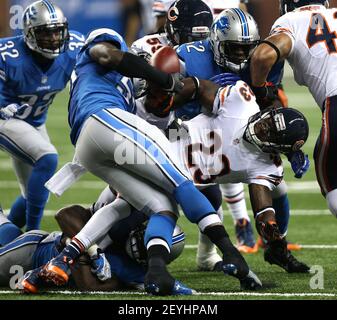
233	37
45	29
136	250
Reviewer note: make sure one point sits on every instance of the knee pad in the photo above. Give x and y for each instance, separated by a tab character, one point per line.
331	199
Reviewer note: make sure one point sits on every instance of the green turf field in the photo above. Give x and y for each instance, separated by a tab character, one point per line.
310	225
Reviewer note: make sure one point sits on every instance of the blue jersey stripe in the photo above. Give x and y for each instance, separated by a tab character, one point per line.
23	240
15	150
243	21
144	142
51	9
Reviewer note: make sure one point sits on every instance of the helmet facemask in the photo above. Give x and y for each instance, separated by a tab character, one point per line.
234	55
136	250
48	40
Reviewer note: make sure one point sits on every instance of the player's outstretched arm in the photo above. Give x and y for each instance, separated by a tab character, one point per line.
133	66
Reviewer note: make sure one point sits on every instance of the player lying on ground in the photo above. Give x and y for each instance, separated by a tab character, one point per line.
121	264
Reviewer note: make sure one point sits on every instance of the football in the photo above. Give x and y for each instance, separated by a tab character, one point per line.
166	60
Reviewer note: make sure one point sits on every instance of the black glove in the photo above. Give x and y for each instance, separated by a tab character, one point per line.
175	85
265	96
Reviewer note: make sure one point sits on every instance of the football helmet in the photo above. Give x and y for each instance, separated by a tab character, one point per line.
45	29
234	34
187	21
290	5
277	130
136	250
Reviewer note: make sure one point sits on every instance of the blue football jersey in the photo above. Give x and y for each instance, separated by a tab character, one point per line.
199	61
47	249
94	87
22	80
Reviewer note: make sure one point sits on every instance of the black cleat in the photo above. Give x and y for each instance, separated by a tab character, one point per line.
276	252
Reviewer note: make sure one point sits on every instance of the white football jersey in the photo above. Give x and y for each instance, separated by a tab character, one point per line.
214	150
313	56
150	43
160	7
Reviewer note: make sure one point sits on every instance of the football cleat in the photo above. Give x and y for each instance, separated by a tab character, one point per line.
249	282
276	252
181	289
245	236
31	281
57	270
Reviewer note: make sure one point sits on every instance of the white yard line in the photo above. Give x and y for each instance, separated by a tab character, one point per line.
223	294
304	246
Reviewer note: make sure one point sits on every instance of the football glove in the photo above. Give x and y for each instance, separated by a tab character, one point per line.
175	85
299	163
11	110
225	79
265	95
100	266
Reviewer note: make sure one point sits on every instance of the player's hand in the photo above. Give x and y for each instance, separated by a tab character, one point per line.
11	110
299	163
175	84
265	95
225	79
101	266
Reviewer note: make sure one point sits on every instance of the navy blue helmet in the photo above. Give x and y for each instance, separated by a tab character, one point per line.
281	130
290	5
187	21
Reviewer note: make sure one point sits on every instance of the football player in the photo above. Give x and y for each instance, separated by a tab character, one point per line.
119	261
131	155
192	23
187	20
34	67
235	142
161	7
224	58
304	35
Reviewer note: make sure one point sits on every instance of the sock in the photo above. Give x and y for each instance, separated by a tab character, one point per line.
159	230
219	236
37	194
73	249
282	213
194	204
233	194
8	230
17	213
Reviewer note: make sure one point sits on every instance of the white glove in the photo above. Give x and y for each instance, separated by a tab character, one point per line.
101	266
11	110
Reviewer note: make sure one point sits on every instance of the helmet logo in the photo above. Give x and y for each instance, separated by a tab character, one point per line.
173	14
31	14
298	145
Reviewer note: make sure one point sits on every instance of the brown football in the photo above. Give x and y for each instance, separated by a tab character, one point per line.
166	60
